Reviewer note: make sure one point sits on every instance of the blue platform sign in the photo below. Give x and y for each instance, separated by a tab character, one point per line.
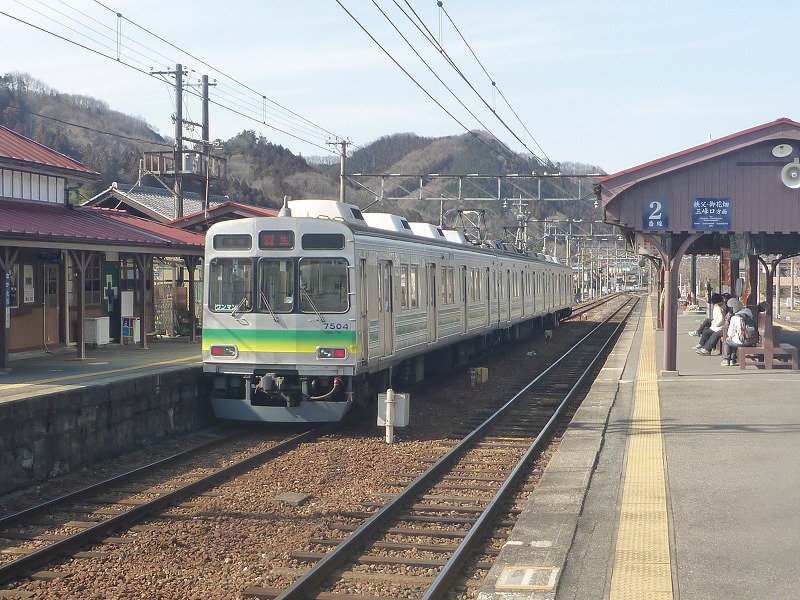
712	213
655	213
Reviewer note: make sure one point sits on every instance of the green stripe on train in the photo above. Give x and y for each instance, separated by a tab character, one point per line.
280	341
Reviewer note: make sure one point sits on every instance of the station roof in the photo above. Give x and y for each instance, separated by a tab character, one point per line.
155	203
17	150
202	220
745	183
45	225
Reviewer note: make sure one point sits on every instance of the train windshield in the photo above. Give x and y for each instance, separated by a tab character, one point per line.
323	285
276	285
231	284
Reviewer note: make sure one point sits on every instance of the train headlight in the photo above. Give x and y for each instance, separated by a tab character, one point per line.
331	353
228	351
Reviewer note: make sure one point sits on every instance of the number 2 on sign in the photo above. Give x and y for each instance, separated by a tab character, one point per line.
656	215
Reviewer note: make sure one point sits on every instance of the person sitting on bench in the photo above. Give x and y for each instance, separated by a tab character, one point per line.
742	331
712	334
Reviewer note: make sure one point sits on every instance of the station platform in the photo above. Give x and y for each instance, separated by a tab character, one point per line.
680	485
38	372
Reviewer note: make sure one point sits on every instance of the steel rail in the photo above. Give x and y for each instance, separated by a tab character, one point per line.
304	586
13	518
455	563
27	563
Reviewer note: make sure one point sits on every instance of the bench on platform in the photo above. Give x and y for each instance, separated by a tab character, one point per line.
769	347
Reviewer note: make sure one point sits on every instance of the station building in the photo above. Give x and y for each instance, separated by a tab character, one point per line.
74	274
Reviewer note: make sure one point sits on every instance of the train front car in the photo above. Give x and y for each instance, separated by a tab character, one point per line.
279	335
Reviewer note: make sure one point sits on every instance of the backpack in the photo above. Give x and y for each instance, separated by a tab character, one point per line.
749	331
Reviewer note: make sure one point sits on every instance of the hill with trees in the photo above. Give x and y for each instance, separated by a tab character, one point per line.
262	173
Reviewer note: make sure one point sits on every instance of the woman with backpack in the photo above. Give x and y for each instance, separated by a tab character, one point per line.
742	331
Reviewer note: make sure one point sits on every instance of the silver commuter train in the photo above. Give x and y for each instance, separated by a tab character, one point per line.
306	314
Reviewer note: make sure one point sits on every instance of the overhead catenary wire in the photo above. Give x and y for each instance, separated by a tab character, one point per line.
119	45
123	51
218	71
441	50
414	80
92	129
491	79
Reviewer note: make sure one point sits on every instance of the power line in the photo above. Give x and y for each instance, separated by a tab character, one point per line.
411	77
494	83
123	49
92	129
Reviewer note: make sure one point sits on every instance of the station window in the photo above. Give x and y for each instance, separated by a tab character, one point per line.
128	275
92	285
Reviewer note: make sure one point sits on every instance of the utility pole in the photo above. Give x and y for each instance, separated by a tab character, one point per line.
206	141
177	153
342	166
178	140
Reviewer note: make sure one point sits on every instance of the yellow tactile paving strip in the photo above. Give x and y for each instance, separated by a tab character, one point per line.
642	569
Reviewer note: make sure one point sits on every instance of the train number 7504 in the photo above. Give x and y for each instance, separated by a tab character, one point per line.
337	326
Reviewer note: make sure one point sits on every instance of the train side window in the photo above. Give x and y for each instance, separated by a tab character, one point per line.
323	285
231	285
413	286
451	285
404	284
276	285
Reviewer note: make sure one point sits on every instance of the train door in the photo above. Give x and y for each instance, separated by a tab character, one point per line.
385	308
432	304
507	288
487	288
363	299
464	299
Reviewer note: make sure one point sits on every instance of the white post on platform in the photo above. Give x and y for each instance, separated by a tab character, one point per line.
390	416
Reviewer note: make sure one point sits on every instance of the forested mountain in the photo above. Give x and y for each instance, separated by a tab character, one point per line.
261	173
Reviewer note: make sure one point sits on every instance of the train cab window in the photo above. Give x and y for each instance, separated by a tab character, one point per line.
275	286
230	286
323	285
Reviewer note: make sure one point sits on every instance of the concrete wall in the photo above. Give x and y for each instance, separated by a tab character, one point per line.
49	435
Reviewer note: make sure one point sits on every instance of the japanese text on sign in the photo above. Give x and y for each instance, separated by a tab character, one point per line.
711	213
655	213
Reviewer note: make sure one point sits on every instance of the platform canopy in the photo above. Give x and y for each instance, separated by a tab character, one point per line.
740	192
748	182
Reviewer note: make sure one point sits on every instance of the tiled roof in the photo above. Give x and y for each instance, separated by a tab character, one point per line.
63	226
155	201
15	147
234	209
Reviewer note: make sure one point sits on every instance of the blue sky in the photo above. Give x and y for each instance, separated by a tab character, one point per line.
612	84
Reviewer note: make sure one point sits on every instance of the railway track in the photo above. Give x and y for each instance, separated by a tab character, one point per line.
65	525
442	524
